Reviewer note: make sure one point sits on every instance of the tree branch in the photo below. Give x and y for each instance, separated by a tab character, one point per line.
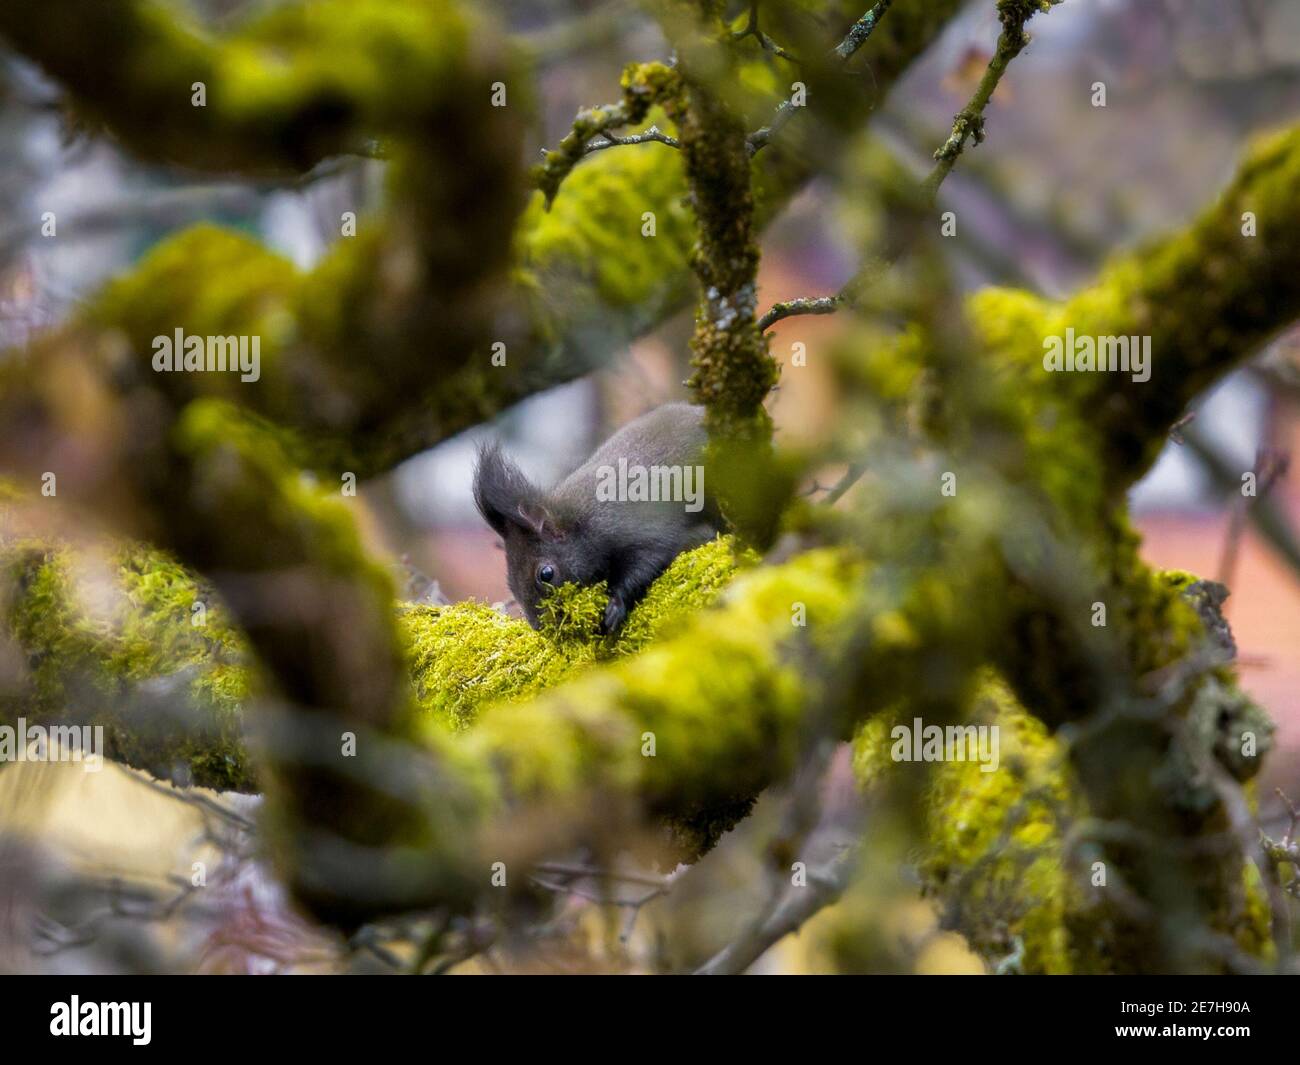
969	122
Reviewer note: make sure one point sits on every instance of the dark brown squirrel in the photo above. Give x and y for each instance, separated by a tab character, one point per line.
621	517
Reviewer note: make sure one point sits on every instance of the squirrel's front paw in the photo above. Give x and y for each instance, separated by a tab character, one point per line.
615	615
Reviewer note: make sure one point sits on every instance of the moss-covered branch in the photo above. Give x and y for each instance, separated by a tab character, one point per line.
387	347
353	353
158	664
1207	298
644	85
1138	694
924	592
157	661
277	95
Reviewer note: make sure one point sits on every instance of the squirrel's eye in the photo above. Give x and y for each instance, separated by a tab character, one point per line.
546	574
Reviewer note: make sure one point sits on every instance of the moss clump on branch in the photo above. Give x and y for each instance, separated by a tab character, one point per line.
992	853
282	91
152	648
155	661
1008	856
694	726
587	280
467	655
1207	297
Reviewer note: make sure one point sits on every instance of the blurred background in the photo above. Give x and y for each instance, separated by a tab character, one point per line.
1059	185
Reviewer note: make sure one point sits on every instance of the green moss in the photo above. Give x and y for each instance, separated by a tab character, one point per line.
589	251
169	693
355	335
466	656
644	86
1207	297
992	854
459	658
648	84
299	84
721	701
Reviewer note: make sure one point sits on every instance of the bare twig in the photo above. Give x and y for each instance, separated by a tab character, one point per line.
765	42
969	121
196	798
850	478
861	30
658	885
857	35
1269	519
787	907
651	134
1269	468
601	897
1176	430
1286	850
595	873
823	889
803	305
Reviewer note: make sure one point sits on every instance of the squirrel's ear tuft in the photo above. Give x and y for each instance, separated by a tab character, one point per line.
501	491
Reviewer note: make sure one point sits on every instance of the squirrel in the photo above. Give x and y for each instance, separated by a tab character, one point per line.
621	517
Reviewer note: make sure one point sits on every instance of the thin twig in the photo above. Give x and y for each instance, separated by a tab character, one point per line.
823	889
1269	467
853	40
803	305
1176	430
651	134
787	909
765	42
969	121
850	478
596	873
861	30
1269	519
198	799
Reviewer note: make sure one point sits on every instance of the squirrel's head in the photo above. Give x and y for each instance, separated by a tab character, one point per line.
544	547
